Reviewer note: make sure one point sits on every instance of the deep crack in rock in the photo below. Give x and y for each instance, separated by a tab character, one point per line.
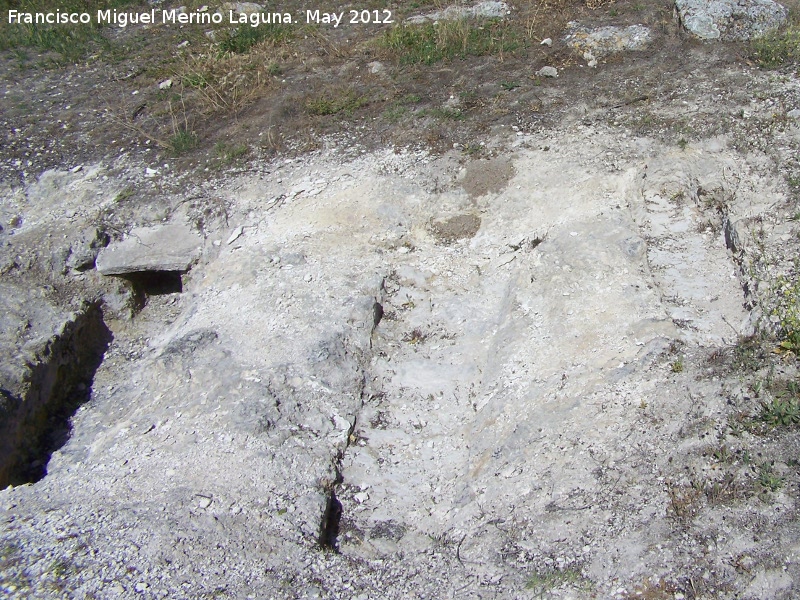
36	422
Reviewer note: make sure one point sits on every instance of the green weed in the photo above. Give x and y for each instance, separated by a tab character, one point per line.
182	141
244	37
775	50
228	154
450	114
544	582
768	479
335	102
783	411
787	312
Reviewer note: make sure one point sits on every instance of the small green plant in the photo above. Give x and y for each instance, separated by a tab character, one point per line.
335	102
677	365
509	85
542	582
721	454
450	114
195	80
748	353
394	113
682	143
777	49
182	141
787	313
768	479
781	411
244	37
228	154
123	195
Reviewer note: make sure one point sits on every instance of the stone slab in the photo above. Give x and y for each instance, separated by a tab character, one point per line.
170	247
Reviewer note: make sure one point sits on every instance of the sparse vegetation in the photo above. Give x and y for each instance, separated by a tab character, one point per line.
335	101
242	39
778	49
542	582
428	44
416	336
767	479
227	153
70	43
781	411
182	141
787	314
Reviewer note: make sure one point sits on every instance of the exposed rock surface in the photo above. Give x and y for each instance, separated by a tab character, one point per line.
601	41
47	360
458	378
399	374
171	247
730	20
489	9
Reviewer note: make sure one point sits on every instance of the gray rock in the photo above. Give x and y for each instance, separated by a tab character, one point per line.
486	10
601	41
794	114
171	247
84	251
730	20
376	67
547	72
242	7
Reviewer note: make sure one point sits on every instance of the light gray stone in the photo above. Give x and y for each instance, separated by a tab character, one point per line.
601	41
83	251
547	72
730	20
171	247
242	7
486	10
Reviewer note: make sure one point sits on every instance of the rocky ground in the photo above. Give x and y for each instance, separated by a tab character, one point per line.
512	336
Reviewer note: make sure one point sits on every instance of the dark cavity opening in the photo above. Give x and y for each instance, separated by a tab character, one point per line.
37	423
154	283
329	533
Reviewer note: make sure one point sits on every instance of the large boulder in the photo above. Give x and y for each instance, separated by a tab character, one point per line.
730	20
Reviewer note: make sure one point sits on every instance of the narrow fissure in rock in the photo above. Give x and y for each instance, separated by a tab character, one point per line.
329	533
36	423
